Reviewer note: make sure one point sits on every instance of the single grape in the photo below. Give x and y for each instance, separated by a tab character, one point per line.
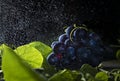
70	51
68	42
52	60
94	36
62	38
59	48
54	43
65	62
80	33
59	56
84	42
93	43
68	30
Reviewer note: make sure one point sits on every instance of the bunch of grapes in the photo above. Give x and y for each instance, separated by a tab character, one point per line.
77	46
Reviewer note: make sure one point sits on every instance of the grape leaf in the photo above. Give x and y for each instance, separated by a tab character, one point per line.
45	51
88	69
101	76
30	55
64	75
15	69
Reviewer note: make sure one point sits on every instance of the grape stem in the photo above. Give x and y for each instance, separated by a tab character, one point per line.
112	64
116	46
77	27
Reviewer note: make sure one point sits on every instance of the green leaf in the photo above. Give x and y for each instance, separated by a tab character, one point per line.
76	75
15	69
118	54
45	51
64	75
0	51
88	69
30	55
101	76
116	74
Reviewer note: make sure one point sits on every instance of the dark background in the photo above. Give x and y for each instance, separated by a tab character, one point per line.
23	21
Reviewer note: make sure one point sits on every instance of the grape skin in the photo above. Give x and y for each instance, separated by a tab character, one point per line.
80	34
54	43
59	48
71	51
68	30
62	38
52	59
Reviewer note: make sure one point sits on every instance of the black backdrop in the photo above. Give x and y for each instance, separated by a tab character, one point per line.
23	21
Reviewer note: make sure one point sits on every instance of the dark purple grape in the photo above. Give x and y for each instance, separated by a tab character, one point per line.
59	56
62	38
59	48
80	33
68	42
54	43
74	64
77	44
68	30
98	51
93	43
84	42
52	60
70	51
84	54
77	47
65	62
87	56
94	36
